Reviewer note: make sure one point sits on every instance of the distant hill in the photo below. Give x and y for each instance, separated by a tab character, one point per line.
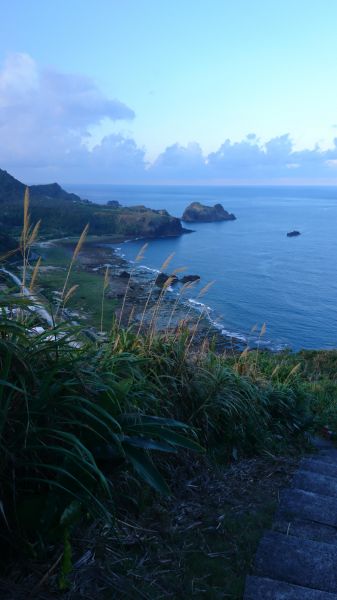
52	191
10	188
64	214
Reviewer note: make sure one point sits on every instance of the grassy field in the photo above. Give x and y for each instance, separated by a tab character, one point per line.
85	303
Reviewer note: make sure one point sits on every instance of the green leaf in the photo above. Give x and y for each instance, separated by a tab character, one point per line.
135	420
71	514
147	444
177	439
146	469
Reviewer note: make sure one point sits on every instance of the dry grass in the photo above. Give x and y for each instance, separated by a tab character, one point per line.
76	252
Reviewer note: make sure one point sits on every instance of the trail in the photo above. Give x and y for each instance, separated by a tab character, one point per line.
297	559
36	306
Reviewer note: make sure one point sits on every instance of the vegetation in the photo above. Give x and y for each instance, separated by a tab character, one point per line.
73	213
92	428
314	372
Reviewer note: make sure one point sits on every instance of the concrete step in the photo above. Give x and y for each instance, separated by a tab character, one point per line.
314	482
297	561
258	588
329	456
309	506
322	444
308	530
319	466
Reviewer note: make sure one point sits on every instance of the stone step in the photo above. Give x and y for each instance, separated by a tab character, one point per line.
258	588
329	456
319	466
297	561
308	530
309	506
314	482
321	444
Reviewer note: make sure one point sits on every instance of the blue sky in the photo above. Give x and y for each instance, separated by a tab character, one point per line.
167	91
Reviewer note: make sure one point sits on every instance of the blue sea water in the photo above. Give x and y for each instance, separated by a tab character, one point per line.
261	275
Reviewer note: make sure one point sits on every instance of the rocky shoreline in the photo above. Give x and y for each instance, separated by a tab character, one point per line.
138	285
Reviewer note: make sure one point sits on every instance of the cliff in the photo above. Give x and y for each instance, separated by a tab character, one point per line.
200	213
64	214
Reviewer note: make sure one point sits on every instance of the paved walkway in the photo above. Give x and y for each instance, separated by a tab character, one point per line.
297	559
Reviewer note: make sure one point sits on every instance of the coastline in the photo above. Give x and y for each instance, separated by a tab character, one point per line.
142	295
98	252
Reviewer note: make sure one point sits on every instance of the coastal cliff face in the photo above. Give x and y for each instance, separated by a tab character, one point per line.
64	214
148	223
200	213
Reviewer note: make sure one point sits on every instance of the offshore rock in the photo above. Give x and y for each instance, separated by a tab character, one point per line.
200	213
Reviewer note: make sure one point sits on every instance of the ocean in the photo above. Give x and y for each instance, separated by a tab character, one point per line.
260	275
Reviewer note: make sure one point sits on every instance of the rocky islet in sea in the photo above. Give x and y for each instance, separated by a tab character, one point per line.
201	213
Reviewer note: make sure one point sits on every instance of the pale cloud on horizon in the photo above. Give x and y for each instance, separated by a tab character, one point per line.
45	115
45	122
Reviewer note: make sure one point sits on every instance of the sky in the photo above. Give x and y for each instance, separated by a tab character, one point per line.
168	91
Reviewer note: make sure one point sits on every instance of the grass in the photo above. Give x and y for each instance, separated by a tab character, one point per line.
96	430
85	303
312	372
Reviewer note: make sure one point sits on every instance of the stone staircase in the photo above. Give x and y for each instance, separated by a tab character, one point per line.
297	559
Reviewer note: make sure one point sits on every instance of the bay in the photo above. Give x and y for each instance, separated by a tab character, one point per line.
261	275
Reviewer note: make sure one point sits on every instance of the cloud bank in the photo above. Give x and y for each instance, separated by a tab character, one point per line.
45	122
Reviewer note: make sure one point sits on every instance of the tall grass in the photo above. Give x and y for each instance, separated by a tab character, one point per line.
78	415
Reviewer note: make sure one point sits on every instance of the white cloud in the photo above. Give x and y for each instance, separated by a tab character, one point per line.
45	123
45	115
179	162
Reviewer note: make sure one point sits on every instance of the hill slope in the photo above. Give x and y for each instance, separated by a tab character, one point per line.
64	214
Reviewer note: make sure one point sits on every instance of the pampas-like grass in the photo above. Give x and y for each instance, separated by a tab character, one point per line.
76	252
105	286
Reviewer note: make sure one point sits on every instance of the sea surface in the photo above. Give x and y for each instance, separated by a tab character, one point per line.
260	275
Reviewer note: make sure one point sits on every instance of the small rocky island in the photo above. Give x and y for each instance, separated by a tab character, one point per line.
294	233
200	213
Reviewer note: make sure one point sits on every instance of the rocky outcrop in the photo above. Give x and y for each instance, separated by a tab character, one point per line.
148	223
189	278
163	278
200	213
124	275
293	233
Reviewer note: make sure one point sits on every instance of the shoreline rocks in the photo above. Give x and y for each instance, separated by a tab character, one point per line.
189	278
162	278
